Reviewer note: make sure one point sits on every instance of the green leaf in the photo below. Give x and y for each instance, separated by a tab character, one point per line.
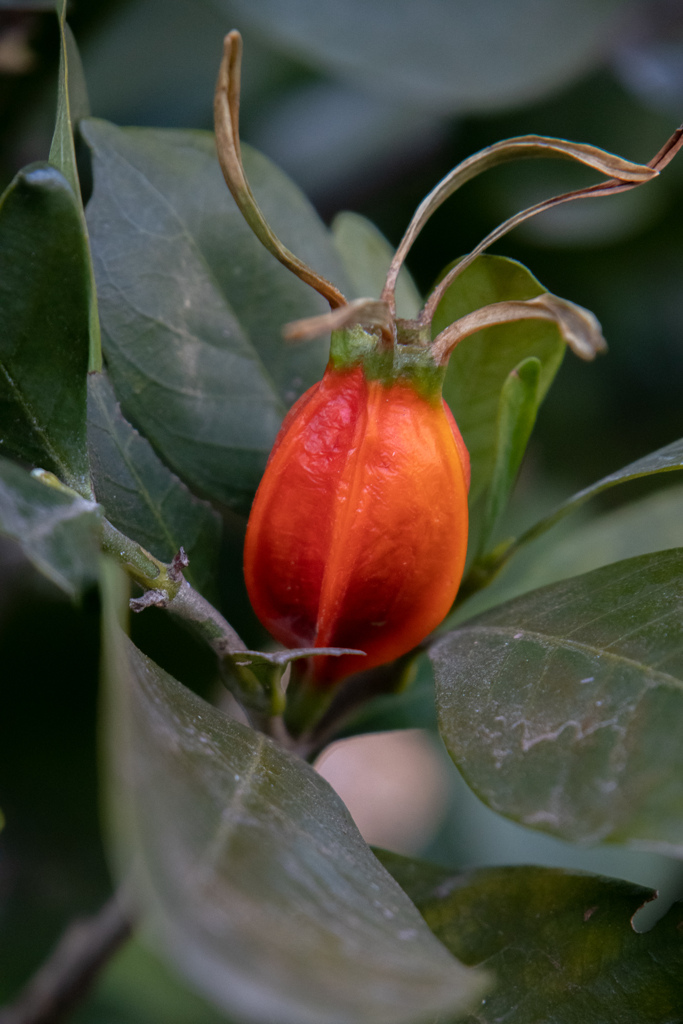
58	533
446	57
563	708
72	105
367	255
253	877
44	311
519	401
641	527
481	364
193	307
561	944
141	497
664	460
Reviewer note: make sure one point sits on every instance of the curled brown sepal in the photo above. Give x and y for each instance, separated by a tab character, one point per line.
373	313
226	108
521	147
613	185
579	328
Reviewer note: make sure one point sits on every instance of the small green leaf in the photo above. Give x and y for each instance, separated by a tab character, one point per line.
517	408
44	312
664	460
58	533
72	105
641	527
481	364
141	497
561	945
193	307
367	255
253	878
564	708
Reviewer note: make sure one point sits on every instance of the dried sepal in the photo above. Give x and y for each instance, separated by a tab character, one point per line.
579	328
226	117
604	188
522	147
372	313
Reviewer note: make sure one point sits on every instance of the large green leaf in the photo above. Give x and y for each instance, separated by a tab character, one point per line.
252	874
44	314
481	364
192	306
563	708
141	496
444	56
561	944
58	533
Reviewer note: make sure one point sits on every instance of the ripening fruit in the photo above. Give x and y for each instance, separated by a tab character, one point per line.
358	532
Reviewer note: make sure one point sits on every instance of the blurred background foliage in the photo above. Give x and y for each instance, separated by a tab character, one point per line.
366	104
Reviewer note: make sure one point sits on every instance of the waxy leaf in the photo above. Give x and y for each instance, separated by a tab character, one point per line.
480	364
250	872
141	496
72	105
564	708
44	314
58	533
192	306
516	417
561	945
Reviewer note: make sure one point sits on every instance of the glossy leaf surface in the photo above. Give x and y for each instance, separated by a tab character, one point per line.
58	533
480	364
516	417
255	880
72	105
563	708
561	945
192	306
44	311
141	496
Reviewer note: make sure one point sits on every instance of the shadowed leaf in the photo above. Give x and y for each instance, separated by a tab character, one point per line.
58	533
255	880
141	496
561	945
44	312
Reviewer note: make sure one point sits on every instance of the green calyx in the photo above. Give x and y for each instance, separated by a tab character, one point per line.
408	363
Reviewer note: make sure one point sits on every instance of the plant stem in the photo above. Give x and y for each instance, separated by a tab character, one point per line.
70	970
